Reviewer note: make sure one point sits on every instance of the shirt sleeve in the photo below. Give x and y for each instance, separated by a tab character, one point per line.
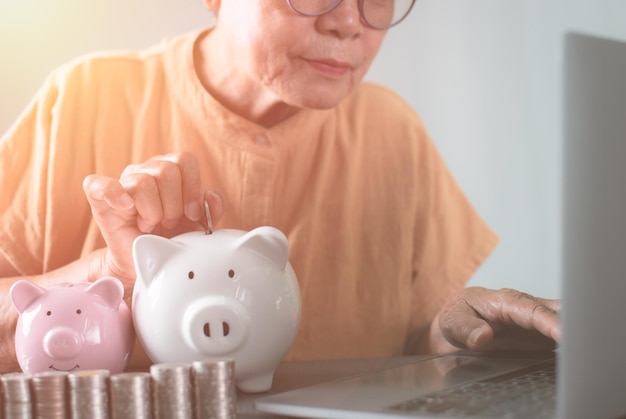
23	168
451	239
38	157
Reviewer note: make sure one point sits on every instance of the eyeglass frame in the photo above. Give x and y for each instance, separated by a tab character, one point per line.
361	13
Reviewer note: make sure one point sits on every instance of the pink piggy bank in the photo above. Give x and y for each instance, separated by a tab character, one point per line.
229	294
68	327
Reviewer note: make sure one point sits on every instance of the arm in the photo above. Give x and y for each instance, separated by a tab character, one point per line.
156	197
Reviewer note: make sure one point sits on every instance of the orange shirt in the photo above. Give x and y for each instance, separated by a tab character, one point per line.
379	232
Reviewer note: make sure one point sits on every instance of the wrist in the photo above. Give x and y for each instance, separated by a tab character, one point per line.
105	265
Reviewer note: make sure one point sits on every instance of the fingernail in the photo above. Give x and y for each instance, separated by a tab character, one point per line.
194	211
473	338
126	201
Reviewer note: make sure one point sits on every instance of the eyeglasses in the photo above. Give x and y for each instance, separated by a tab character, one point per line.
377	14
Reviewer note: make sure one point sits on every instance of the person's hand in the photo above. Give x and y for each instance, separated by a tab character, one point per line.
481	319
162	196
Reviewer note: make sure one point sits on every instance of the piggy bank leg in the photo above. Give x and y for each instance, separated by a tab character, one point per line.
257	384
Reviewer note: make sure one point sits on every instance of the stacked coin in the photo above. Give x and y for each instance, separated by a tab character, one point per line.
131	395
16	396
89	396
172	393
215	393
50	395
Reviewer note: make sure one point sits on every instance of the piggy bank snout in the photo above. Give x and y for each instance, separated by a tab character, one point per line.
215	325
62	343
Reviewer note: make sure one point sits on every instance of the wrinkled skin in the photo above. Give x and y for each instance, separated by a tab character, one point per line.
482	319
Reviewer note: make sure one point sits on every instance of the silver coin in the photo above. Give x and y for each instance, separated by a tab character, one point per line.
89	394
16	395
209	220
16	387
18	410
215	392
50	395
131	395
172	391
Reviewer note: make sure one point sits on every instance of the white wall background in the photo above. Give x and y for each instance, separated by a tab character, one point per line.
486	77
484	74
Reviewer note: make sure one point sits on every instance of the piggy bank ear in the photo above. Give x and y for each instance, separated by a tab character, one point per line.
109	289
23	293
150	252
268	241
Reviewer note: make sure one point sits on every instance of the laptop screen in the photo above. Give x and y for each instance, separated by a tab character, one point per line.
594	229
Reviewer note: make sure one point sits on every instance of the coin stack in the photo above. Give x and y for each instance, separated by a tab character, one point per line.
89	396
172	392
16	396
50	395
131	395
215	393
199	390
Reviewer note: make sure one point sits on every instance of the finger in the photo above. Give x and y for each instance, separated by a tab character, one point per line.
546	321
511	309
168	179
527	312
553	304
145	192
461	325
179	182
191	184
104	191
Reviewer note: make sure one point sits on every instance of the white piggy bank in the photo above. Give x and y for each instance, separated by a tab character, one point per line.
227	294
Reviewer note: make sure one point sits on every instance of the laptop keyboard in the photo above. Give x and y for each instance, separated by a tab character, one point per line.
528	393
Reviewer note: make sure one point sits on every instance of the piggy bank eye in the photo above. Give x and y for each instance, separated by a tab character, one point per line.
79	311
191	274
231	274
48	313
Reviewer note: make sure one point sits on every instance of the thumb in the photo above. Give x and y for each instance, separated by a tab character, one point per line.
103	192
462	326
480	335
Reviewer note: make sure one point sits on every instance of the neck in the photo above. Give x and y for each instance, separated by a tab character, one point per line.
233	88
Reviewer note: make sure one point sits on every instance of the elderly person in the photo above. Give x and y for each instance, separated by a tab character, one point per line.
264	116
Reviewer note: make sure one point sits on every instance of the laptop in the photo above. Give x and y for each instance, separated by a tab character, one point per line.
586	376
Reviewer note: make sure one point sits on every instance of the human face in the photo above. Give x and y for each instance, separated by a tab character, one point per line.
301	61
